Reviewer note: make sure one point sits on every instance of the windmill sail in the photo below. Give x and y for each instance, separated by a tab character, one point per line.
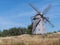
34	8
46	10
49	22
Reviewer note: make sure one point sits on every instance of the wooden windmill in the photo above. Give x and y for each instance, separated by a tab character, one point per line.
39	20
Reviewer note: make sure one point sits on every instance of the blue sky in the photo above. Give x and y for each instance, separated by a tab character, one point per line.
17	13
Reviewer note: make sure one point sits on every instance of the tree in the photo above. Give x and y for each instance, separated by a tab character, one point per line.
29	29
54	31
14	31
0	33
5	33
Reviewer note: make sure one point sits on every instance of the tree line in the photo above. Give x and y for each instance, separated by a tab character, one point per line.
16	31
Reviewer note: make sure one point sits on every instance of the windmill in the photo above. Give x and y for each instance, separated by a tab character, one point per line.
39	20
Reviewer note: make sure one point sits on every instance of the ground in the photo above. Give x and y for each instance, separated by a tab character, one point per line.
26	39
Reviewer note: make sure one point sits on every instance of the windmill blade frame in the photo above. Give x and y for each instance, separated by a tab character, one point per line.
46	9
48	21
34	8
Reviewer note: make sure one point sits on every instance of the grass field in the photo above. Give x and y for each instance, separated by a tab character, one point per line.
26	39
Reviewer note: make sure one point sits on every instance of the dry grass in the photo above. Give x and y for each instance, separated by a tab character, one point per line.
26	39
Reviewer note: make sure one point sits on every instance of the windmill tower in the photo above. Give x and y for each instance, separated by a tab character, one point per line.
39	21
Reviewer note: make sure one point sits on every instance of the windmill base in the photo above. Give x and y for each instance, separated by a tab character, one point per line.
39	32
